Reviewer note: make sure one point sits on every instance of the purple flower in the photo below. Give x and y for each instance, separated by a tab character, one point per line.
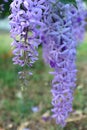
79	20
5	0
59	51
26	26
58	28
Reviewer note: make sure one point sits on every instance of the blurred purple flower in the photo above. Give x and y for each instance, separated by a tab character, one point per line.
25	129
35	109
5	0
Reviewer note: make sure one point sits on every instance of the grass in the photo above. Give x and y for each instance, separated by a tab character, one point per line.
5	41
17	101
82	51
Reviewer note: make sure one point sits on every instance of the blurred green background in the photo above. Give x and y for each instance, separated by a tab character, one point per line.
24	107
30	103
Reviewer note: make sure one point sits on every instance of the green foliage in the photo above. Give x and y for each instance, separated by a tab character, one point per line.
68	1
85	0
6	10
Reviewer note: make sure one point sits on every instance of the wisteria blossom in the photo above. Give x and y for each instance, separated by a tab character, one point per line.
78	20
59	51
57	27
64	30
26	27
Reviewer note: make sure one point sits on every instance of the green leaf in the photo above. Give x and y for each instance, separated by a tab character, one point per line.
85	1
69	1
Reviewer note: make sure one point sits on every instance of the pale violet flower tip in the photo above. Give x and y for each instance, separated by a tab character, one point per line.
35	109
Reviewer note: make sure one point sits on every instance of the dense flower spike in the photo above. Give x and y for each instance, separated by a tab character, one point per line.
26	27
58	28
59	51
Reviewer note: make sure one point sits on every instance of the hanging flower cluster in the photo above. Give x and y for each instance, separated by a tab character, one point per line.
58	28
65	25
26	28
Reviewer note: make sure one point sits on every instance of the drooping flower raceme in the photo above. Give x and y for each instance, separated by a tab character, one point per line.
59	51
26	27
58	28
